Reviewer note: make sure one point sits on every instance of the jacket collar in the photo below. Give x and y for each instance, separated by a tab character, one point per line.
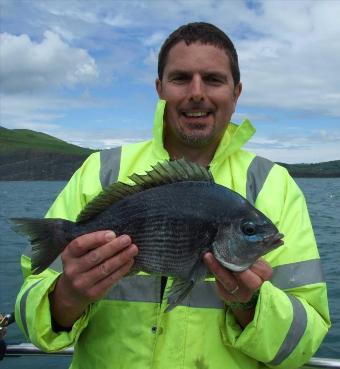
233	139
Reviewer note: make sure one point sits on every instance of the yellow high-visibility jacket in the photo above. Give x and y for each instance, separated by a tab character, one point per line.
129	329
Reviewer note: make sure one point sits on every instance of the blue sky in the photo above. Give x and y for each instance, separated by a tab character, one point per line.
84	70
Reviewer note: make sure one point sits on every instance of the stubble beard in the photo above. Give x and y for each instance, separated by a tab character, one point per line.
197	137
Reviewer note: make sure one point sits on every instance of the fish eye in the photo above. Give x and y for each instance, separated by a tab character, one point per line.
249	228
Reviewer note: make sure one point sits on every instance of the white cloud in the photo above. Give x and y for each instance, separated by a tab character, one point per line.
29	111
239	117
46	113
295	145
28	66
289	56
117	20
152	58
111	13
308	154
279	74
66	34
32	111
70	9
105	138
289	51
154	39
293	62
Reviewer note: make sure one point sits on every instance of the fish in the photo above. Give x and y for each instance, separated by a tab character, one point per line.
174	213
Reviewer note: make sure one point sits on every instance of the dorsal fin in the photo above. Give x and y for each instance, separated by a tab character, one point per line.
162	173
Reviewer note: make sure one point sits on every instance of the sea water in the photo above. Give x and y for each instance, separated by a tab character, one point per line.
32	199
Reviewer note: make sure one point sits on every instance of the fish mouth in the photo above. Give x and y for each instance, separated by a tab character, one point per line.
275	240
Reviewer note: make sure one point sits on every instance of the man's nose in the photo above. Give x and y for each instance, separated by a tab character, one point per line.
196	89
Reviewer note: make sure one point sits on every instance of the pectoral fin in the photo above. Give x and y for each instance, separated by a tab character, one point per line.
179	291
181	288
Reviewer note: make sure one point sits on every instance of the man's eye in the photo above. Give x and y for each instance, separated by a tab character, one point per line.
214	80
179	79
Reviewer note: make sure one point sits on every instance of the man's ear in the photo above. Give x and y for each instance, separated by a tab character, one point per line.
158	83
237	92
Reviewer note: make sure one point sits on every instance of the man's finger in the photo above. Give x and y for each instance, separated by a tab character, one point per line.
110	266
225	295
101	288
104	252
248	280
262	269
254	277
82	244
225	277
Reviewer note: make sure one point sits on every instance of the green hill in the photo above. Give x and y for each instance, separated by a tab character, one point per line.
27	155
325	169
25	139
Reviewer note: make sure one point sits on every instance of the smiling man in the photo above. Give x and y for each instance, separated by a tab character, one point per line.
201	96
275	314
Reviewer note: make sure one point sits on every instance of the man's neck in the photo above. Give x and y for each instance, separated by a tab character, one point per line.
200	155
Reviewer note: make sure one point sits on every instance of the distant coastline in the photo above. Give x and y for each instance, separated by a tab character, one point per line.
328	169
27	155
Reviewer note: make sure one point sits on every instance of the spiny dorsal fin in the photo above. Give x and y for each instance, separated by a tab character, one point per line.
162	173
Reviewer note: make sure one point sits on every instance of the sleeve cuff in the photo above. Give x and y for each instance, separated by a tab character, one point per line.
272	319
35	307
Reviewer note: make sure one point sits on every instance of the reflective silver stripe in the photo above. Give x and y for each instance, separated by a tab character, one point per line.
109	166
141	288
257	174
203	295
297	274
23	307
146	288
296	331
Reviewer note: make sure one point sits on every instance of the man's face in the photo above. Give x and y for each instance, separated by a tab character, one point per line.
198	87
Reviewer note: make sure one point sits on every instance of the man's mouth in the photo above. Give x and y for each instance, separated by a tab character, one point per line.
196	114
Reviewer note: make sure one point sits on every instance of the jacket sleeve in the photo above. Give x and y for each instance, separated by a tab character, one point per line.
291	317
32	309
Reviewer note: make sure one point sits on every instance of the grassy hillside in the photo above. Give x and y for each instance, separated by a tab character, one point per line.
326	169
25	139
27	155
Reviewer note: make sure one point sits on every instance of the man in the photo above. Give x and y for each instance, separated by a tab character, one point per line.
274	314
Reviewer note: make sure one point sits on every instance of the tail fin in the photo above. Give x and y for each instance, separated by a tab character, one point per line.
47	237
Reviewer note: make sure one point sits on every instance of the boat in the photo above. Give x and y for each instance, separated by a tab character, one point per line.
28	349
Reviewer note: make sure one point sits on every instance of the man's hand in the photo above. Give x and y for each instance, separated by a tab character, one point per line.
92	263
239	286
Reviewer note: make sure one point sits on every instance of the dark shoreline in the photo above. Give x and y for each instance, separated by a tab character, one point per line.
27	155
60	167
38	166
29	165
328	169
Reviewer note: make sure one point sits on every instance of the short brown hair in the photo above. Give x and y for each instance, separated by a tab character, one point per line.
204	33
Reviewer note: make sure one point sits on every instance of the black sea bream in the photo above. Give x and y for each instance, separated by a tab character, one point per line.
174	214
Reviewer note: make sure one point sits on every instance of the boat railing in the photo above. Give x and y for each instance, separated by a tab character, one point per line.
28	349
